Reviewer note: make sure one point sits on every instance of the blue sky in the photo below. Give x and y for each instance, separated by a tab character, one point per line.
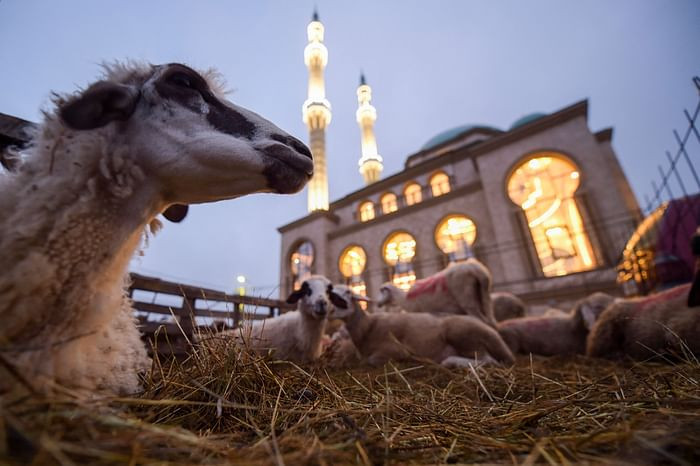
431	65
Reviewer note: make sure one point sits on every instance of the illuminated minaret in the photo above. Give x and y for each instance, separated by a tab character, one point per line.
317	113
370	162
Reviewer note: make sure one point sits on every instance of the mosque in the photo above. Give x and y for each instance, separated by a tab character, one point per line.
544	204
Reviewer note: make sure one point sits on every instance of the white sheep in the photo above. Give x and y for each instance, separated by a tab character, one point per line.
441	339
563	333
507	306
462	288
103	164
645	327
296	335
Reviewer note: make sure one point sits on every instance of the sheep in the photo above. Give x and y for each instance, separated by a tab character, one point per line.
103	164
643	328
462	288
296	335
555	334
441	339
507	306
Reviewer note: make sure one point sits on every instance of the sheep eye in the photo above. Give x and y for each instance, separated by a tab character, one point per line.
182	80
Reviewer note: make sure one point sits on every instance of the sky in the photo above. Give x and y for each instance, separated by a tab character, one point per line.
431	65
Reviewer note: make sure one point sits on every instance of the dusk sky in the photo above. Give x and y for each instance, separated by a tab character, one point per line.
431	65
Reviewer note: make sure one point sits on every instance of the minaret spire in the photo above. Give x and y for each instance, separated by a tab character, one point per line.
317	113
370	162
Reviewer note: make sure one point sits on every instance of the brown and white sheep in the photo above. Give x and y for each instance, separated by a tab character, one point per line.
557	334
643	328
103	164
463	288
391	336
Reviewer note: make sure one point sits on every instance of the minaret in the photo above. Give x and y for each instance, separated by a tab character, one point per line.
317	113
370	162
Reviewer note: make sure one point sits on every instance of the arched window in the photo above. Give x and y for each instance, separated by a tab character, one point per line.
366	211
388	202
543	186
455	235
440	184
300	263
352	263
399	250
412	193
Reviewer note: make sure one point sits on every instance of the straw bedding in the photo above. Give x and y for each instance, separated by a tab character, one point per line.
222	405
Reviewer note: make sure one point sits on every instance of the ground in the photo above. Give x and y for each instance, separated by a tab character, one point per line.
226	407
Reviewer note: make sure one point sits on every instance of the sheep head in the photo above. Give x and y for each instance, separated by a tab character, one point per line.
389	294
193	144
316	297
589	309
347	305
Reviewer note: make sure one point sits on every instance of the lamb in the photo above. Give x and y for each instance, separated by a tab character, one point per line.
507	306
555	334
459	289
442	339
643	328
103	164
295	336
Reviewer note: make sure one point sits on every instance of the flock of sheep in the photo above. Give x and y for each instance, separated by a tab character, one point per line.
148	140
451	319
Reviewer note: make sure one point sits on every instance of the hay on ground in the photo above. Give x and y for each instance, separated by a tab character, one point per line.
222	405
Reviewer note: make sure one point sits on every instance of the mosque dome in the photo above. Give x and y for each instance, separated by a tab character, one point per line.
527	119
452	133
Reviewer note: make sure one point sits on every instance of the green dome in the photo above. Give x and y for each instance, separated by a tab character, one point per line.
450	134
527	119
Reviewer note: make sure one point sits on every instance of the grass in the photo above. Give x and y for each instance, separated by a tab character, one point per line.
226	406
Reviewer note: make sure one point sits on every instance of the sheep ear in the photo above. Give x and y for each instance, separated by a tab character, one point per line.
588	315
337	300
100	104
298	294
176	213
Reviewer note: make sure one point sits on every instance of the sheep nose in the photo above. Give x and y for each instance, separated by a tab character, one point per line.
294	143
321	308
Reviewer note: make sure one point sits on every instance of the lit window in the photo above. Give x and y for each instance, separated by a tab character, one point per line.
439	184
366	211
454	235
543	186
351	264
399	250
413	194
388	202
300	263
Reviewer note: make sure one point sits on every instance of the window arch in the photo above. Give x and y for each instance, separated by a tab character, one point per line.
543	185
399	250
352	263
455	235
413	193
389	204
366	211
439	184
301	260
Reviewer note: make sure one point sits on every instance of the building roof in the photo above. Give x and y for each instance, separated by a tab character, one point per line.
498	138
452	133
523	120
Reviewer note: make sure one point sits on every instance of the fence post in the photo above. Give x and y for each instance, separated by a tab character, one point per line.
187	315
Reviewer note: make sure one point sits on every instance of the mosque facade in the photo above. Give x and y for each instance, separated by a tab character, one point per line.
544	204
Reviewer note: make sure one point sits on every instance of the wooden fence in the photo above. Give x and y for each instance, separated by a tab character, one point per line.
196	307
